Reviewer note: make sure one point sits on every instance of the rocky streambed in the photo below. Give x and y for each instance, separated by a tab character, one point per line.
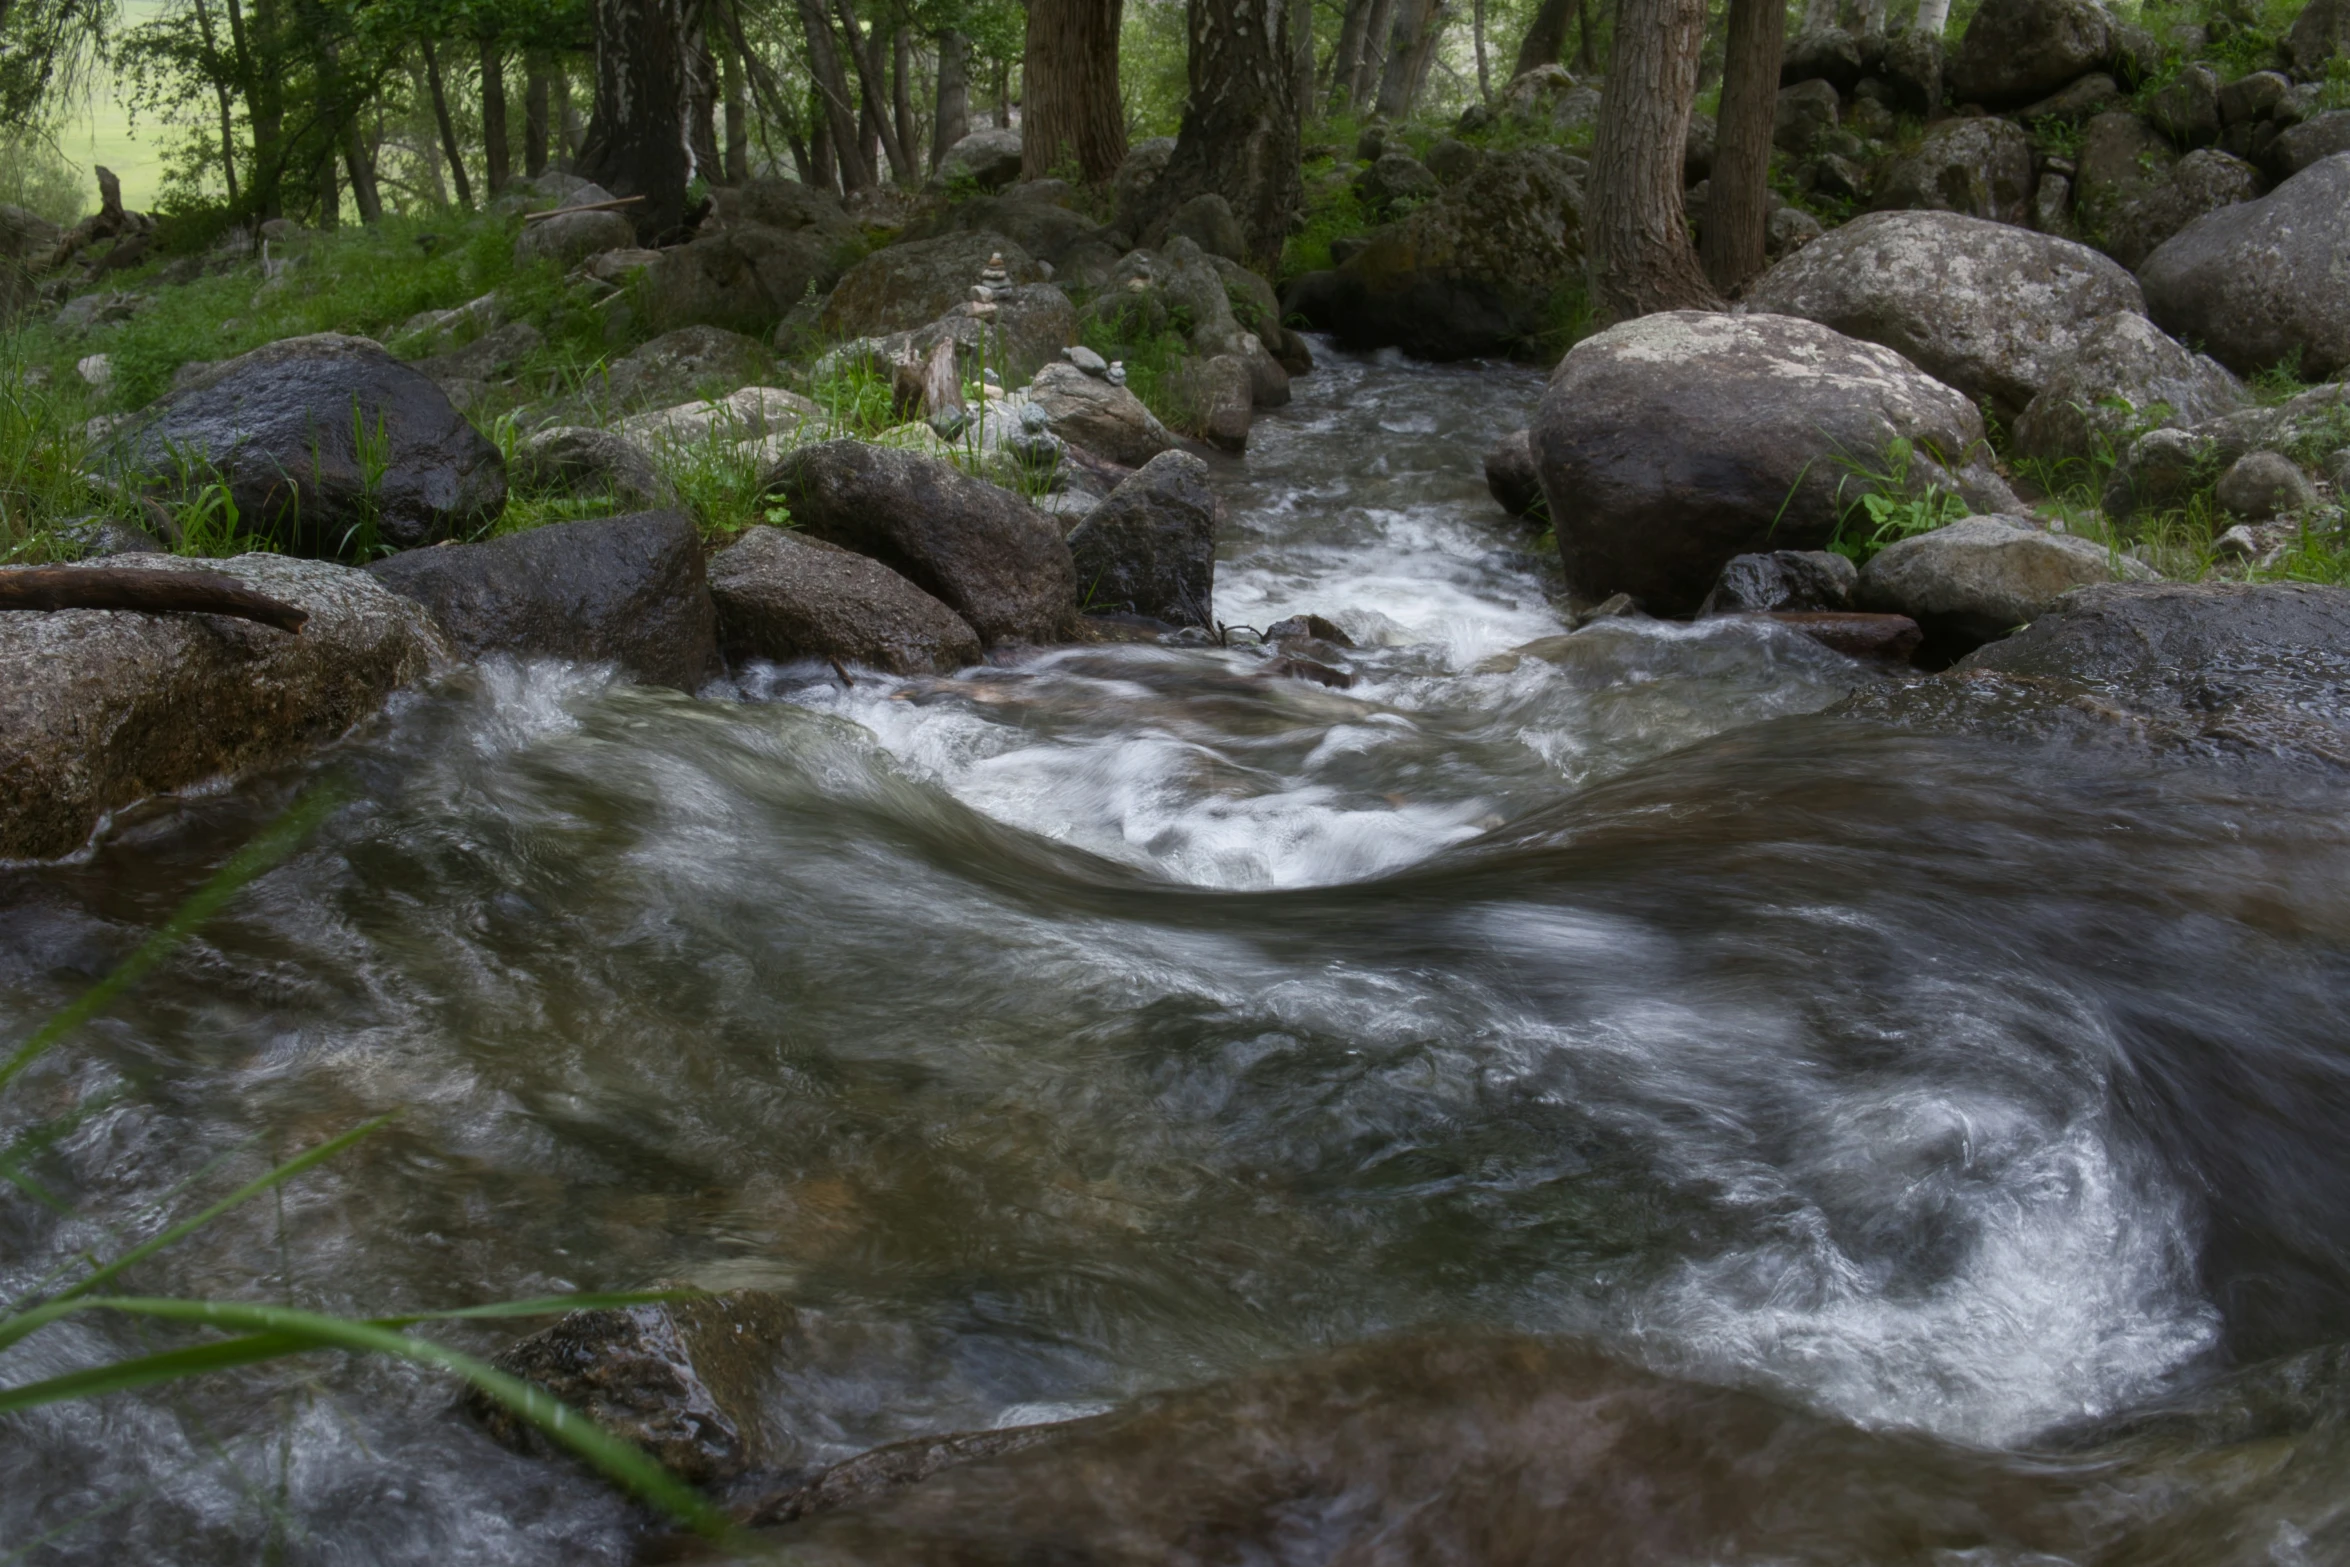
1463	1083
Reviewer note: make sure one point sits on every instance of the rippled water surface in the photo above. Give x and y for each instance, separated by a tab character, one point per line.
1123	1018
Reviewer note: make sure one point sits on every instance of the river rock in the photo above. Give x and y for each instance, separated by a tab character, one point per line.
984	552
492	356
2265	280
1982	577
1815	581
320	441
2320	136
781	595
1216	395
1671	443
1150	549
2014	51
2260	485
1107	420
906	286
2320	35
2122	359
1806	111
581	460
745	277
1980	167
1511	475
628	590
1984	307
692	361
101	707
572	237
2201	182
1476	271
988	159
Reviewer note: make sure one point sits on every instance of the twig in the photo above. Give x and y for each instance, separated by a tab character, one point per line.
593	206
144	589
841	670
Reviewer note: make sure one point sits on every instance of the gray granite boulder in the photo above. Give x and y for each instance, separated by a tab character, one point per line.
2123	374
1150	548
2263	281
1983	576
2014	51
781	595
1979	167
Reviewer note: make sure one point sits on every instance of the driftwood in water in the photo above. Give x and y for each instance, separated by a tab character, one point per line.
141	588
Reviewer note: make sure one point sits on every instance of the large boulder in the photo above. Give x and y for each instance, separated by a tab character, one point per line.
1478	270
584	461
906	286
2123	374
101	707
988	159
1150	549
785	205
782	595
2201	182
2264	281
569	238
2319	136
692	361
1987	308
1107	420
1214	397
628	590
327	444
1670	443
2320	35
1982	577
744	277
2014	51
1980	167
2122	159
983	551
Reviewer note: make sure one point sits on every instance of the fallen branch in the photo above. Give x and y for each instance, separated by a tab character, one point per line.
614	205
146	590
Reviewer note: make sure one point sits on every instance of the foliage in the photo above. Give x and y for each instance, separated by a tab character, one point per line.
34	175
1883	503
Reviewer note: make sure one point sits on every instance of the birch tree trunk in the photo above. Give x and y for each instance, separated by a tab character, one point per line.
1737	209
1932	17
636	139
1240	131
1546	37
1635	236
1070	107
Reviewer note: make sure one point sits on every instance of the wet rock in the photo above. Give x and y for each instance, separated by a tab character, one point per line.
2122	359
2260	485
572	237
1982	577
2304	144
984	552
683	1379
907	286
581	460
2257	282
2201	182
321	440
494	355
693	361
1475	271
1893	638
872	1476
2014	51
1805	112
1102	418
1794	580
1290	666
1985	307
781	595
1150	548
1512	477
742	415
99	708
1979	167
1671	443
989	159
1217	395
628	590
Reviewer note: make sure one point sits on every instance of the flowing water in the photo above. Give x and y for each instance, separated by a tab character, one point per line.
1128	1017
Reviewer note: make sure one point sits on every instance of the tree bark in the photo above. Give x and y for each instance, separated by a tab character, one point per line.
496	162
636	138
534	113
1585	60
1484	75
738	115
953	121
257	49
1346	58
1070	105
1366	73
901	87
1819	14
872	83
448	126
1239	136
1737	209
701	100
1932	17
832	87
1635	236
1408	44
1546	37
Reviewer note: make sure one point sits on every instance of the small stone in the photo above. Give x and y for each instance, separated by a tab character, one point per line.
1117	373
1086	360
1613	607
2260	485
96	369
2237	543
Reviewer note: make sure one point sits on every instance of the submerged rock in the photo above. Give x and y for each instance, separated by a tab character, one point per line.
101	707
1150	548
781	596
629	590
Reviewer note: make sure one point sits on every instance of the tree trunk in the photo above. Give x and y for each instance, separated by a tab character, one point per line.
1870	17
264	102
361	168
701	100
1484	75
1070	109
1003	93
1736	209
441	116
872	83
1346	59
832	87
1239	136
954	94
1424	58
1819	14
496	164
1586	60
326	190
218	69
1375	31
1546	37
567	127
824	163
738	116
636	138
1932	17
901	87
1408	44
534	113
1635	237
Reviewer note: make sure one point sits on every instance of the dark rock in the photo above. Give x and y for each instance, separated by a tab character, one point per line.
492	356
907	286
2187	111
693	361
2121	359
781	596
1312	628
1913	68
1890	637
572	237
1453	161
2260	485
2122	159
1982	577
1835	55
2304	144
1794	580
872	1476
320	440
577	460
1980	167
1208	222
2200	182
1805	112
1145	162
1671	443
2092	95
1216	395
745	277
1697	150
2263	280
2252	97
1990	309
2320	35
1150	549
1396	179
1098	416
989	159
1291	667
2015	51
1045	230
981	550
629	590
101	707
1512	477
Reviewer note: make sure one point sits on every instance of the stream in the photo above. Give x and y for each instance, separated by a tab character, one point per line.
1127	1017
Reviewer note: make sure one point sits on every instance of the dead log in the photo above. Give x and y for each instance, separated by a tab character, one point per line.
146	590
614	205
